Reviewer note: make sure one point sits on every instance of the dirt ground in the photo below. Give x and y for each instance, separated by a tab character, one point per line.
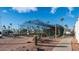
25	44
75	45
16	44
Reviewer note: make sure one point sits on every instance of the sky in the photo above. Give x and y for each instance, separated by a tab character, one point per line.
18	15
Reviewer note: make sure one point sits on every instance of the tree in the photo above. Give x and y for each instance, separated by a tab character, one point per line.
4	27
66	27
62	19
9	27
10	24
49	30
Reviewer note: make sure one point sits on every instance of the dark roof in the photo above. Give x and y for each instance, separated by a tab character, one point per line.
38	22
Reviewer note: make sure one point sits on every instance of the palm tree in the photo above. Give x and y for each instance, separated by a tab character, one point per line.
0	24
62	19
38	29
10	23
66	27
49	30
55	31
4	27
48	22
10	26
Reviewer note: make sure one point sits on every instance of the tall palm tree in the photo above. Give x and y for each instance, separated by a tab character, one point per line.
55	31
10	23
62	19
66	27
4	27
0	23
48	22
10	26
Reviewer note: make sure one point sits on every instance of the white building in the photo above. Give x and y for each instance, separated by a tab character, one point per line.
77	30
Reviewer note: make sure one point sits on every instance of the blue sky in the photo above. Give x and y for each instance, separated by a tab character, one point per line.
18	15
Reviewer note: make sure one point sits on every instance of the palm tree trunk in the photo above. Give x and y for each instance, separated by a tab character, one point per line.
55	32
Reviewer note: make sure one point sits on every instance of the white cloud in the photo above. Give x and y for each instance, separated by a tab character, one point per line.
53	10
70	15
70	11
24	9
4	11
